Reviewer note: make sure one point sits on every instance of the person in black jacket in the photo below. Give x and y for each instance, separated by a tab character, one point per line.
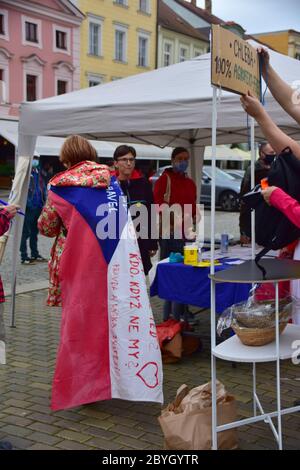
138	191
262	168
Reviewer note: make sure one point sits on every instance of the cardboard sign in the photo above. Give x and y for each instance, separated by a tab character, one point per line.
234	63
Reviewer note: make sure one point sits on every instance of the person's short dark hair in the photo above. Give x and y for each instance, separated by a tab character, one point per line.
123	150
133	151
177	151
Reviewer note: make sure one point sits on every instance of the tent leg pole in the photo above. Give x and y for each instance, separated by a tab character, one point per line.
13	302
252	139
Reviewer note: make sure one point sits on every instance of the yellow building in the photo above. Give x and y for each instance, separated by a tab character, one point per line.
118	38
286	42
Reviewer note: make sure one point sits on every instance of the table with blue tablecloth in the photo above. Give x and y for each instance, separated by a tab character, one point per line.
191	285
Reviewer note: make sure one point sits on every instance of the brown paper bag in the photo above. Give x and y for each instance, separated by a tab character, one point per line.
171	351
186	423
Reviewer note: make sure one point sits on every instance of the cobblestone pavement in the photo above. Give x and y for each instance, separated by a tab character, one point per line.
25	384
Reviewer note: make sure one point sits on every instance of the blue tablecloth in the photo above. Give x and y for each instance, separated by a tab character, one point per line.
191	285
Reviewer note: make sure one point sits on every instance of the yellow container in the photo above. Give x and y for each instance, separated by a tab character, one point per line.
190	253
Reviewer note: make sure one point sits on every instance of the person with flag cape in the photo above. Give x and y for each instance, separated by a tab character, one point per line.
108	344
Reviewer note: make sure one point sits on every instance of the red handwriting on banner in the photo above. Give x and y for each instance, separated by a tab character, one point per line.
114	315
135	305
149	374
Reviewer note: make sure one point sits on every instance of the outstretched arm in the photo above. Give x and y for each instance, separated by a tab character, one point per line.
288	98
278	139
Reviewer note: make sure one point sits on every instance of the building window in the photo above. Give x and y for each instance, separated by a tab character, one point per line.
121	2
94	38
144	6
143	51
62	87
4	24
31	33
167	53
61	40
2	28
183	54
120	45
94	79
31	83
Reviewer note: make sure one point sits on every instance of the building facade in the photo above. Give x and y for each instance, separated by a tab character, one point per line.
39	51
177	40
118	39
286	42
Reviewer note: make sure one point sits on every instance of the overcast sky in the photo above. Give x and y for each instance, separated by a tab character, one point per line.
258	16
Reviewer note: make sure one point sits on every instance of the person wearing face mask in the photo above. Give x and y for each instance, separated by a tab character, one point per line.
175	187
35	201
262	168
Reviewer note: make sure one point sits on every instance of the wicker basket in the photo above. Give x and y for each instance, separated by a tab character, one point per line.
257	336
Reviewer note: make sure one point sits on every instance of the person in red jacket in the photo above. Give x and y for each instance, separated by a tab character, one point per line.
174	187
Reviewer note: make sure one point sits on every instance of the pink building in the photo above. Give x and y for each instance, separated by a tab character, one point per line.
39	51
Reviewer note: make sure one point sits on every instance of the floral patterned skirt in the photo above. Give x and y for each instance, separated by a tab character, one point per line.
54	291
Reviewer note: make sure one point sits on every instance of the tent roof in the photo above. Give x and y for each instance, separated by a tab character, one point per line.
51	145
167	106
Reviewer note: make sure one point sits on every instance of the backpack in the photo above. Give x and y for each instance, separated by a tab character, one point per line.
273	230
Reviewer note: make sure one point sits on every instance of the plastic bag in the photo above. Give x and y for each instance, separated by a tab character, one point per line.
257	312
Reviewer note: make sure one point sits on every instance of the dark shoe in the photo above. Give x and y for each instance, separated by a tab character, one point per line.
38	258
27	261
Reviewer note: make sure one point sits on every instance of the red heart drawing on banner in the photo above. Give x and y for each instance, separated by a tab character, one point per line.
149	374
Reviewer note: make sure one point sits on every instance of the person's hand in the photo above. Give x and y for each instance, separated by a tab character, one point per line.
244	240
252	106
12	209
152	253
264	54
266	193
286	253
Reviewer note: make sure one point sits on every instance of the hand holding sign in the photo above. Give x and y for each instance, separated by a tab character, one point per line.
252	106
234	63
265	60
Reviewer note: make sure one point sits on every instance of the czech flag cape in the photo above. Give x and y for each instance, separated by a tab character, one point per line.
108	343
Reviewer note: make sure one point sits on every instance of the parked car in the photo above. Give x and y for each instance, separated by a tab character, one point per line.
237	174
227	188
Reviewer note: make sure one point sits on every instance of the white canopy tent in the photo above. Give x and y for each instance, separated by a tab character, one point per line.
170	106
51	145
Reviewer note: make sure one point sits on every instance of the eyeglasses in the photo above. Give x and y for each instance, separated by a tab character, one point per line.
127	160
